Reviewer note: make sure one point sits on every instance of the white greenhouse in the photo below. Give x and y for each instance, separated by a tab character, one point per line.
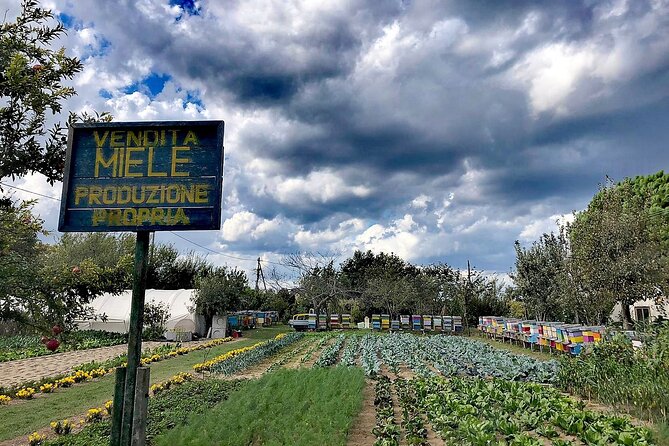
116	308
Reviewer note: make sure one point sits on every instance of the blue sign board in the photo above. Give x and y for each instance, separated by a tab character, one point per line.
143	176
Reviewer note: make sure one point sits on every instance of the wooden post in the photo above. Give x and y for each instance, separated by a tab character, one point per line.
141	405
135	335
117	408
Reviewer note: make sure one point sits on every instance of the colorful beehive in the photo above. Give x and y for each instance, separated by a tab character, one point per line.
273	316
233	321
457	324
335	321
260	318
395	324
575	335
376	322
530	331
346	321
405	321
312	322
322	321
385	321
427	322
447	323
416	322
437	323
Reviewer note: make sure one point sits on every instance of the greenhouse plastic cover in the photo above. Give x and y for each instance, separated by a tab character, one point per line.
117	310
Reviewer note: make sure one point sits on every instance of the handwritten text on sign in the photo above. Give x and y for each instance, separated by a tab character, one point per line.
143	176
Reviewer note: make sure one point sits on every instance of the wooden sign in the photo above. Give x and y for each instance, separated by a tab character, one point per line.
143	176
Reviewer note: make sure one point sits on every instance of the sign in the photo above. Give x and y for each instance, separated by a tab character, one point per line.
143	176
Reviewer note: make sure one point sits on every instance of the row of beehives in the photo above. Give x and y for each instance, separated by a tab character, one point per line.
321	322
556	335
417	322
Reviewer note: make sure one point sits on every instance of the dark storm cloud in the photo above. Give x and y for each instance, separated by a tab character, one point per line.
508	106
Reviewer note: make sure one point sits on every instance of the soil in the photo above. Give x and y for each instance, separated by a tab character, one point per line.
361	430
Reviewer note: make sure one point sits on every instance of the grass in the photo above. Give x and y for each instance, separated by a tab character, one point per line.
513	348
27	416
295	407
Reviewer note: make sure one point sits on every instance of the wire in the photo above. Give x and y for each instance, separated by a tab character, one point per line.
223	254
172	232
29	191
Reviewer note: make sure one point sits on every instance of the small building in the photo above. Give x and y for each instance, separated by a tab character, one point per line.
647	310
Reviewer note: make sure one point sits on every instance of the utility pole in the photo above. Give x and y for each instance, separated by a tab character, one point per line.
467	291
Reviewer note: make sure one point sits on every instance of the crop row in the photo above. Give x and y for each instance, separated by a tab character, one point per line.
254	354
314	348
415	431
482	412
349	356
386	431
329	354
451	356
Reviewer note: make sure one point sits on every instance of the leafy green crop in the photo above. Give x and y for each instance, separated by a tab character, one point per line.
483	412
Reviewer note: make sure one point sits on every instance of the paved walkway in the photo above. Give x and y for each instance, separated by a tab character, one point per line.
34	369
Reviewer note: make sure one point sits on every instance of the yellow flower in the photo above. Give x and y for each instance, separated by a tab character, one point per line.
35	439
93	415
61	427
26	393
109	405
47	388
65	382
4	399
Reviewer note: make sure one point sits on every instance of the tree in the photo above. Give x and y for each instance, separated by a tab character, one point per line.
39	289
168	270
19	249
318	281
113	254
219	292
540	276
31	75
155	317
617	248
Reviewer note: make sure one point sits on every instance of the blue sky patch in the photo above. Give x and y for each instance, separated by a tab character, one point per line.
190	7
105	93
193	97
151	85
67	20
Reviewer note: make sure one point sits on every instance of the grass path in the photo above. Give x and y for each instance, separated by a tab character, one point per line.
28	416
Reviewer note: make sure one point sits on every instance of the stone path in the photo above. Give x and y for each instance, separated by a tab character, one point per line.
34	369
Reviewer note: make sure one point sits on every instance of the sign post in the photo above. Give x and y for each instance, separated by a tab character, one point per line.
141	177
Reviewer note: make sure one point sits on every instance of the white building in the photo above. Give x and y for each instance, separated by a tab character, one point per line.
643	310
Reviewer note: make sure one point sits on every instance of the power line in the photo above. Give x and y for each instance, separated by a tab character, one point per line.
29	191
172	232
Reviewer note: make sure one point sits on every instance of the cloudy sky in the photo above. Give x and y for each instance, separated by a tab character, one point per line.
437	130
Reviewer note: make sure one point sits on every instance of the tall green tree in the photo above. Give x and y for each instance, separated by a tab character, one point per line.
220	292
618	249
540	276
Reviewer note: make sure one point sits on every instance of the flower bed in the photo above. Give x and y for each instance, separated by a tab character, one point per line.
89	371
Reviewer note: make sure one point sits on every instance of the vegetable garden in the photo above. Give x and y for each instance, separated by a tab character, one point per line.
297	388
